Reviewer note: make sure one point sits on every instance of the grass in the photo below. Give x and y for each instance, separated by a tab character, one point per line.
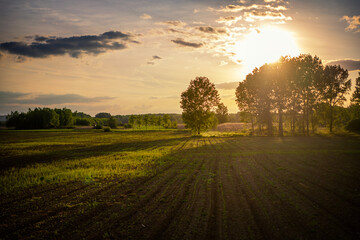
169	185
51	157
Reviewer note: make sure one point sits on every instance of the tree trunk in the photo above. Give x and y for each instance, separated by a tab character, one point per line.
307	117
269	123
281	131
331	118
252	123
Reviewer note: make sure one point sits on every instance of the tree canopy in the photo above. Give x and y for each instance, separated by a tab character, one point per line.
198	103
300	88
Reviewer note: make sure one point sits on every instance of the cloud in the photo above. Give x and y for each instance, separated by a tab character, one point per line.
354	23
153	59
75	46
20	59
227	85
173	23
349	64
256	15
47	99
163	97
212	30
183	43
145	16
230	20
238	8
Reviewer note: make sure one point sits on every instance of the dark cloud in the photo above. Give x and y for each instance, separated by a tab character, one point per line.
44	47
40	38
227	85
212	30
181	42
349	64
46	99
5	96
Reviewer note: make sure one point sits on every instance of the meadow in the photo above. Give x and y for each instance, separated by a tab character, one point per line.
90	184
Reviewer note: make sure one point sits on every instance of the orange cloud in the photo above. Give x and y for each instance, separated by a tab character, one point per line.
353	22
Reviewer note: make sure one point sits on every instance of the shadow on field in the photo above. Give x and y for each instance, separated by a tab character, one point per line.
212	188
78	152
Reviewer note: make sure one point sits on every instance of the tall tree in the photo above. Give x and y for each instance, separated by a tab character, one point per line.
355	98
246	100
308	73
281	74
198	103
334	86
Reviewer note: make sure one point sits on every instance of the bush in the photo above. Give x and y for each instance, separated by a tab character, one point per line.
98	126
353	126
83	121
107	129
128	125
112	122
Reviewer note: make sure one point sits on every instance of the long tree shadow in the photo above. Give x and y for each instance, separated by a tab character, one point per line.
79	151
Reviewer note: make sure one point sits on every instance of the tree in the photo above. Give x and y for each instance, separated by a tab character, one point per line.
245	100
355	99
166	121
103	115
146	120
281	73
65	117
198	103
138	120
222	113
112	122
132	120
308	74
334	86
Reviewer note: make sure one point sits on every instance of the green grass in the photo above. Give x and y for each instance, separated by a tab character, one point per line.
48	157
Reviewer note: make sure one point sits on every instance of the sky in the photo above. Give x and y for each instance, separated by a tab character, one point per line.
137	57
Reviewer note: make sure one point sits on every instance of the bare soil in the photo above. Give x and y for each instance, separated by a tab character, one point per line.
214	188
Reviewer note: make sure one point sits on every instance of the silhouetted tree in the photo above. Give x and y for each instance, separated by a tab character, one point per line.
355	98
308	74
198	103
246	101
334	86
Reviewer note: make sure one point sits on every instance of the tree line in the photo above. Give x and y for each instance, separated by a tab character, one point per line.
299	92
151	120
43	118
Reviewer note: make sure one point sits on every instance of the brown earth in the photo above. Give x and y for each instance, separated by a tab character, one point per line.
214	188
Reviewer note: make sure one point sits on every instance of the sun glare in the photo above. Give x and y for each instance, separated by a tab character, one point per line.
265	45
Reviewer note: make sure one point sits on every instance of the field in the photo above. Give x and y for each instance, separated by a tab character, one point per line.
88	184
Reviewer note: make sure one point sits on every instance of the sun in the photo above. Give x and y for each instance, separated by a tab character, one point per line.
262	46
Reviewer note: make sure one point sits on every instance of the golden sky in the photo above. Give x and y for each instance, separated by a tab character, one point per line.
127	57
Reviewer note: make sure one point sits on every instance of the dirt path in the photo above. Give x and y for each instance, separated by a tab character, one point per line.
215	188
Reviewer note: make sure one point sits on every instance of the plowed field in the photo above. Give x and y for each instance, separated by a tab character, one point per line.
192	188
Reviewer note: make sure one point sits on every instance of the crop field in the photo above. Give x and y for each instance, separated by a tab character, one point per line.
88	184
